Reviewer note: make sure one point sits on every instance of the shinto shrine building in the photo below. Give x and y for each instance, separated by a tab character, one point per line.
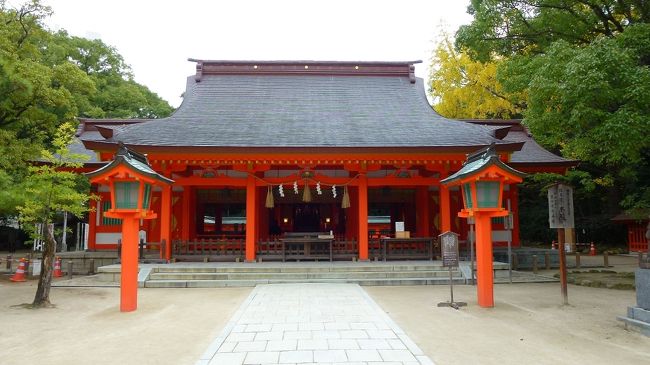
260	150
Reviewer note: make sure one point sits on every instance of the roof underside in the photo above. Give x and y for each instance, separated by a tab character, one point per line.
305	110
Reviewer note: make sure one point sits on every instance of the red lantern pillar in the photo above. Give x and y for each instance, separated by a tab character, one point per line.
129	275
484	265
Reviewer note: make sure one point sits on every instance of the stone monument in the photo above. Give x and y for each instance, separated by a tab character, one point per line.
638	318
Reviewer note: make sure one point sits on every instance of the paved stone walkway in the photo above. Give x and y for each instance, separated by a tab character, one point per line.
312	324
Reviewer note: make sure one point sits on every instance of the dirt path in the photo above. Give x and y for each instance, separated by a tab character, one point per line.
171	326
527	326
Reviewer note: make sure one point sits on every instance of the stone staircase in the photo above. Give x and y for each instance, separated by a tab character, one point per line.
213	275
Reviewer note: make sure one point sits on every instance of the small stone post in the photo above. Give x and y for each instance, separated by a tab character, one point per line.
577	260
9	263
606	259
70	264
534	264
547	260
91	267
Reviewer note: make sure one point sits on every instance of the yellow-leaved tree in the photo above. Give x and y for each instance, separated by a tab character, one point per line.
462	88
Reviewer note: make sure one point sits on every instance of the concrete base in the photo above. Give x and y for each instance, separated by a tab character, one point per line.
642	283
638	319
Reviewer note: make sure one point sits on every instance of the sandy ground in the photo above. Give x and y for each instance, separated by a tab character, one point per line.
171	326
175	326
527	325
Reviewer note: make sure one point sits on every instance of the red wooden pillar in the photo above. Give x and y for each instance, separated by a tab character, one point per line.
129	274
422	211
92	220
363	217
484	272
445	209
185	225
165	221
251	215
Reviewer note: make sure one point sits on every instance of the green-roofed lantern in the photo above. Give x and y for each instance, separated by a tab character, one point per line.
130	179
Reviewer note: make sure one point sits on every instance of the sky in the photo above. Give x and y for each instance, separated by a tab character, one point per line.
157	37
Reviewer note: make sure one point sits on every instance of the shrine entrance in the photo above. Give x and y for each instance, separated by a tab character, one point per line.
306	218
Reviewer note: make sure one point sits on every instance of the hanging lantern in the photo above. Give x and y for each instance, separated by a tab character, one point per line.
345	202
306	195
269	198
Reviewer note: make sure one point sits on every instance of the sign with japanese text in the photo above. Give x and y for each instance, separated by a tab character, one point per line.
449	249
560	206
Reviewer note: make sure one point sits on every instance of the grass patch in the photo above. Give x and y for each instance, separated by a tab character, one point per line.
601	279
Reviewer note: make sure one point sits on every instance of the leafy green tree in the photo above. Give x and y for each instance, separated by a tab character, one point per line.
52	186
515	27
48	79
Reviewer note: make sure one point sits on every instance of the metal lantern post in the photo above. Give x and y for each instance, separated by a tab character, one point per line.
131	181
481	179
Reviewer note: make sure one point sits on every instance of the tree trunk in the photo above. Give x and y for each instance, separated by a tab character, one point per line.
42	297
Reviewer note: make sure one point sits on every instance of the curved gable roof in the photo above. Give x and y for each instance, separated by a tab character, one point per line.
232	104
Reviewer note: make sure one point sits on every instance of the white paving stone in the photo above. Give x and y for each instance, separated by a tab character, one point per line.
282	345
363	355
246	346
290	357
343	344
329	356
268	357
312	345
373	344
336	324
228	359
397	355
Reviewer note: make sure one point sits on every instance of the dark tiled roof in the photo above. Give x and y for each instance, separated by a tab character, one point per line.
531	152
305	111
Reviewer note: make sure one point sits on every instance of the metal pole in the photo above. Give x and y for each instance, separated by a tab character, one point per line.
78	236
563	283
451	284
509	255
64	242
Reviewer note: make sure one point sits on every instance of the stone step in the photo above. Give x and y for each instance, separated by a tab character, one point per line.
300	275
250	283
293	269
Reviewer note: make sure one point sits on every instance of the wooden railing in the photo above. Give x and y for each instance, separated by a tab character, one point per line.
213	249
272	249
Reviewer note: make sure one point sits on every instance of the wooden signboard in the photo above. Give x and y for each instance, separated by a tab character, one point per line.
560	206
449	249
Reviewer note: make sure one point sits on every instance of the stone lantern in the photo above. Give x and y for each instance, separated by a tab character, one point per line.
481	179
131	180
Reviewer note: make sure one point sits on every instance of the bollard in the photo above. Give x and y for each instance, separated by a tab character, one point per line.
205	259
547	261
141	250
9	263
577	260
70	269
91	267
30	259
640	259
514	262
534	264
605	259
